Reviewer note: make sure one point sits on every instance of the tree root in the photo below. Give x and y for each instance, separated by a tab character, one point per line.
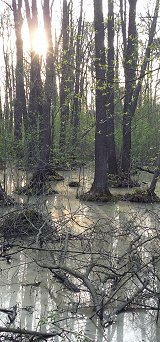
122	181
140	196
36	189
74	184
25	223
96	197
38	183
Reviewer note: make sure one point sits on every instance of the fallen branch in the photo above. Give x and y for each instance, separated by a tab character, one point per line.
12	313
80	276
145	169
123	306
29	332
65	281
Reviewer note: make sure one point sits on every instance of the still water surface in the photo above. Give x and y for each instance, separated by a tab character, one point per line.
42	302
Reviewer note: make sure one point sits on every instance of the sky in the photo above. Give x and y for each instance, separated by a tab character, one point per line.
142	5
142	8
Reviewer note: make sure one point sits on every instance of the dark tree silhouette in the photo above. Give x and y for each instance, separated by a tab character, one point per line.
111	149
40	101
99	189
78	60
48	101
130	77
65	78
35	107
20	112
132	89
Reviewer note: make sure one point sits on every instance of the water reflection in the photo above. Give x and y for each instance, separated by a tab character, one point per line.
43	303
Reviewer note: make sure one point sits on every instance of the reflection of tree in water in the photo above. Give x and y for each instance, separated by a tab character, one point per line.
143	325
9	287
120	329
91	274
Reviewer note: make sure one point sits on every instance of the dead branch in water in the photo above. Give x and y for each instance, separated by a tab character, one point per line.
30	332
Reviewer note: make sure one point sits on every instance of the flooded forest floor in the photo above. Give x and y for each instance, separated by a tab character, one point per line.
78	271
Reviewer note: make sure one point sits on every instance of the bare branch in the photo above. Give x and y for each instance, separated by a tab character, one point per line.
30	332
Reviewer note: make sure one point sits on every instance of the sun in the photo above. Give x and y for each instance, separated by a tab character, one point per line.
38	43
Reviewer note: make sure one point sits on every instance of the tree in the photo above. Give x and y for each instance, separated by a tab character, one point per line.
49	85
35	107
78	60
65	78
9	88
8	112
130	64
99	187
40	100
20	111
132	89
152	187
111	149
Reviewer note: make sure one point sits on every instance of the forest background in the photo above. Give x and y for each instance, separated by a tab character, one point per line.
49	82
80	82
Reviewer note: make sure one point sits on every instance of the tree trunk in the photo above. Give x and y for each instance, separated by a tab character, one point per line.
123	24
76	99
20	111
130	77
146	59
1	112
35	108
65	79
7	102
111	150
132	94
100	184
155	178
45	120
40	100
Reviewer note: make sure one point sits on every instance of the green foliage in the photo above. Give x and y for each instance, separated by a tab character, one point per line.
83	151
145	136
7	150
87	134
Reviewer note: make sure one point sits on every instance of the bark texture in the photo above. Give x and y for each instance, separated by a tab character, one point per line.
100	184
112	162
45	120
20	112
65	81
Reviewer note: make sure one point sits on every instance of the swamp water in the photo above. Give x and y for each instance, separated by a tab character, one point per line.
44	304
